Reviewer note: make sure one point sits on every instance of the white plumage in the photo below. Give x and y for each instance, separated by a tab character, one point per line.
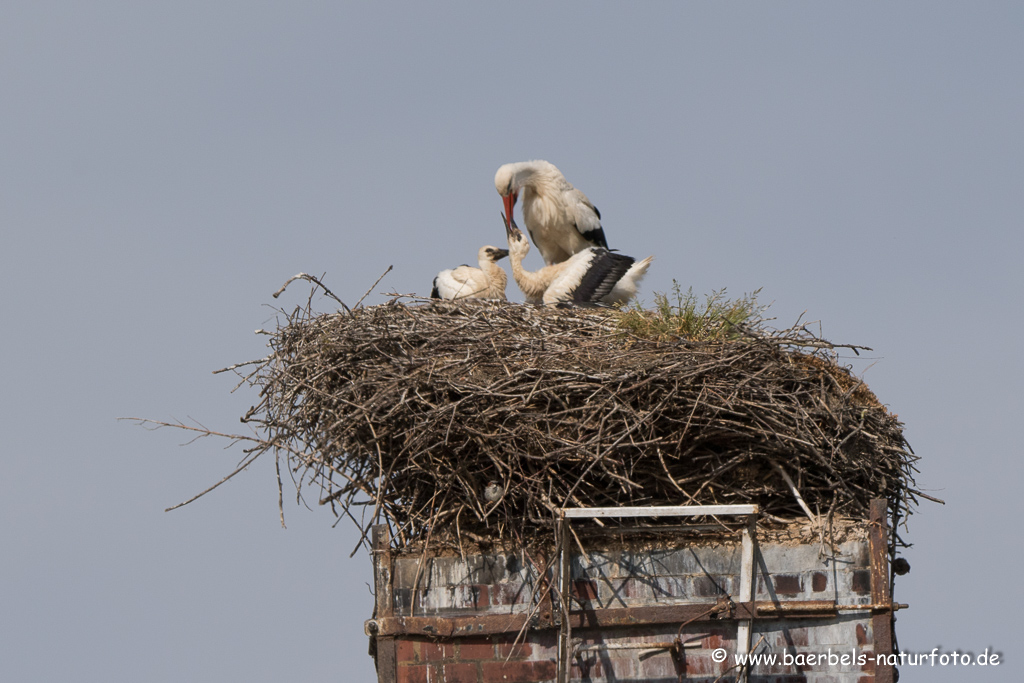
592	276
465	282
560	219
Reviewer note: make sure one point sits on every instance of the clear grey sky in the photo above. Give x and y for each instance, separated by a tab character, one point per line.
165	167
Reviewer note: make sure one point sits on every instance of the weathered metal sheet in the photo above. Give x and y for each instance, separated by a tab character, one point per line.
383	647
881	622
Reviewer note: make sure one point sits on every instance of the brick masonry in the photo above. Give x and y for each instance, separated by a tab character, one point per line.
504	584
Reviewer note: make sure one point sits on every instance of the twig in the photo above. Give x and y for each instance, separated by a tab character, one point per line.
314	280
374	285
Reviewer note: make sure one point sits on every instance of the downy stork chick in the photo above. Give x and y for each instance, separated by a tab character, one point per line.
592	276
560	219
465	282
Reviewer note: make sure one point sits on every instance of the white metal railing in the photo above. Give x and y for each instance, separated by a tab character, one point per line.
747	566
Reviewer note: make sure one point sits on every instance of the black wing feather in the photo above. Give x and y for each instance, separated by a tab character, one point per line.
597	237
605	270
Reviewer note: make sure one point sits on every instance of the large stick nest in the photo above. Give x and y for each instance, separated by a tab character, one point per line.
405	412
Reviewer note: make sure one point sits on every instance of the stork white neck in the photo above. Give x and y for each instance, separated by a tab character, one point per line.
497	279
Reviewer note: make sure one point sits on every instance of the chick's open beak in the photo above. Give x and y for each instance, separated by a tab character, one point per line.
511	229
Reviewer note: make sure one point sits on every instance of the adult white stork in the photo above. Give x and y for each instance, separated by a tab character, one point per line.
465	282
592	276
560	219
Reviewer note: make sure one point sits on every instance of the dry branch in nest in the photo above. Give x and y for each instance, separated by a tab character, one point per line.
407	411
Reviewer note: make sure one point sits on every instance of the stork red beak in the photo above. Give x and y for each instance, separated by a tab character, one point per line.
510	204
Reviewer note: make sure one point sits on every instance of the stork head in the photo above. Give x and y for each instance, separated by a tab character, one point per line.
492	254
506	184
517	242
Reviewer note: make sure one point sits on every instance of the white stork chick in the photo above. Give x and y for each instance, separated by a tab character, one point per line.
560	219
592	276
465	282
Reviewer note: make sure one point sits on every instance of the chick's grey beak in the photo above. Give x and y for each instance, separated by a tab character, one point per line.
511	229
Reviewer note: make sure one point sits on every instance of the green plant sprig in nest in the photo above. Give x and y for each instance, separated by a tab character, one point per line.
684	316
